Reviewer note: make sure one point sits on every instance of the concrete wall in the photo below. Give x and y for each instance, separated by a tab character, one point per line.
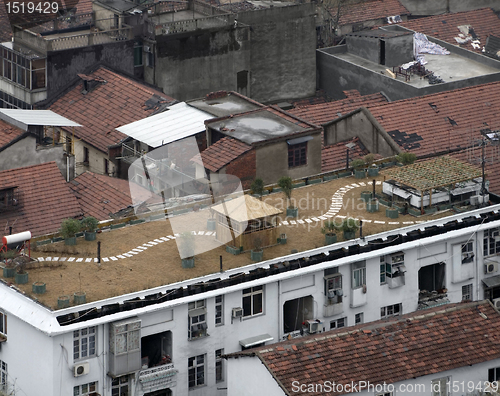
398	50
365	47
189	65
283	42
25	153
359	125
434	7
272	161
63	66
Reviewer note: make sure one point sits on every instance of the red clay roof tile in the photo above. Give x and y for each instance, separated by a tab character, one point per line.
334	157
8	132
221	153
370	10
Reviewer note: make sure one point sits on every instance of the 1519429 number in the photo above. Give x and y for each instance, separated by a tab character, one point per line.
18	7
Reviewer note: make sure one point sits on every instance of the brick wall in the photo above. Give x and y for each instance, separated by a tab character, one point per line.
243	167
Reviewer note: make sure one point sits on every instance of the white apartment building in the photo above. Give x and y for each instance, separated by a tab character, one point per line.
169	340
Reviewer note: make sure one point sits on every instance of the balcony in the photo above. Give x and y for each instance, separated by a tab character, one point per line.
157	378
358	297
395	280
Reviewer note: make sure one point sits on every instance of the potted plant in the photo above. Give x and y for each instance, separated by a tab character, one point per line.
69	228
330	230
350	226
257	187
370	166
89	225
359	168
257	252
285	183
21	274
406	158
185	245
10	269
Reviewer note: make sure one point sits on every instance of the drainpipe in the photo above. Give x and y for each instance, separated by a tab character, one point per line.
67	168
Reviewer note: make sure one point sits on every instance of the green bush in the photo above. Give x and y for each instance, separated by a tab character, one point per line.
350	225
358	164
69	228
369	158
406	158
330	228
257	187
89	224
285	183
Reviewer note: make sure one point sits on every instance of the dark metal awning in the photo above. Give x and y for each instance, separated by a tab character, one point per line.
492	281
299	140
252	341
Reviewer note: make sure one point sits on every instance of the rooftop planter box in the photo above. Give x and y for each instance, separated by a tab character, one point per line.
89	225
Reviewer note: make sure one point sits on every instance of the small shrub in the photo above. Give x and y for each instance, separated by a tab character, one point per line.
330	228
406	158
69	228
89	224
358	164
350	225
257	187
285	183
369	158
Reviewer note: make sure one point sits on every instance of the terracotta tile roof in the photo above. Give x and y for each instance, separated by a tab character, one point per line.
118	101
484	22
44	199
221	153
84	6
370	10
98	196
322	113
398	349
8	133
433	124
334	157
5	28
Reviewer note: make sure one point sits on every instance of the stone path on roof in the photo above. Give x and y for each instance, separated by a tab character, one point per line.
335	207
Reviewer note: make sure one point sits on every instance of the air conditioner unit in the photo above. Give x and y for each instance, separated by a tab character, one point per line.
237	313
81	369
313	326
496	303
331	293
474	200
490	267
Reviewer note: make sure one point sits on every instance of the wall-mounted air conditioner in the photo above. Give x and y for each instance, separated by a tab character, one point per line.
237	313
496	303
474	200
490	267
81	369
313	326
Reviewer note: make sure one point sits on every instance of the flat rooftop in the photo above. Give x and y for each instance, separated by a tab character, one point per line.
144	256
224	106
449	68
184	15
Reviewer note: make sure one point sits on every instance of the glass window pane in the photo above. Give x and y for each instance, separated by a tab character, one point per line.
257	303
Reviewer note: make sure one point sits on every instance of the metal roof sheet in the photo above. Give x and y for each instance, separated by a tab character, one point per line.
177	122
24	118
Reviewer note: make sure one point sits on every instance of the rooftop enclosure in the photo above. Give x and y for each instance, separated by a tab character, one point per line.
249	219
341	69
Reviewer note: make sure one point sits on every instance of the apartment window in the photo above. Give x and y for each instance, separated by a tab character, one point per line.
494	374
86	155
10	102
439	387
467	253
219	310
138	53
85	389
197	325
106	167
30	73
125	337
3	375
196	371
151	59
219	374
297	154
339	323
467	292
491	242
358	318
120	386
382	270
390	310
84	343
252	300
358	275
3	323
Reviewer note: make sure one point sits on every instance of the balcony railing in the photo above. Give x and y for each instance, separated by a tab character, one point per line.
156	378
194	24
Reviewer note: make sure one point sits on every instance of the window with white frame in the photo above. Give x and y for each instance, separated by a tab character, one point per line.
253	301
219	310
382	270
491	242
358	275
358	318
494	374
333	288
467	252
219	373
467	292
125	337
338	323
85	389
196	371
84	343
120	386
3	324
197	324
391	310
3	375
439	387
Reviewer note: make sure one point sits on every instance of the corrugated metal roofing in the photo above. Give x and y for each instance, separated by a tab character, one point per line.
178	122
23	118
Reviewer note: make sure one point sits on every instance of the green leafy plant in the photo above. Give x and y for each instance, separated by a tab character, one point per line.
406	158
8	256
350	225
369	158
257	187
21	262
69	228
89	224
358	164
285	183
330	228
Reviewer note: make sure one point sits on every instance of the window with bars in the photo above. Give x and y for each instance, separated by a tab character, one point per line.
382	270
219	310
120	386
358	275
253	301
467	292
467	252
219	373
297	154
197	324
391	310
338	323
3	324
85	389
196	371
358	318
84	343
494	374
3	375
491	242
